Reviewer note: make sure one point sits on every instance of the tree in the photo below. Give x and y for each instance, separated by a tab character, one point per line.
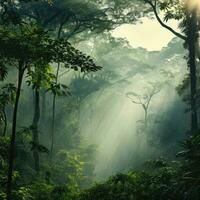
30	46
70	18
189	23
13	48
144	100
6	97
77	16
40	77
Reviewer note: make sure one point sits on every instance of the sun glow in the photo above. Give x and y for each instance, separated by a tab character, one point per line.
193	4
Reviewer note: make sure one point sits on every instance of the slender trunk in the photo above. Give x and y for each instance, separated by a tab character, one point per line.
1	123
194	118
192	39
54	100
43	111
53	126
35	135
13	134
53	113
5	122
145	117
79	102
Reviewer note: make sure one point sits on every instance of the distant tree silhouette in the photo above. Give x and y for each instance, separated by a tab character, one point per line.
144	100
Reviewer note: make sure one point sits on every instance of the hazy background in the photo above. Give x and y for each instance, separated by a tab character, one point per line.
111	121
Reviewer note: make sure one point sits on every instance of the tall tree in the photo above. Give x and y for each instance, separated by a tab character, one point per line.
186	12
40	77
28	46
70	18
144	100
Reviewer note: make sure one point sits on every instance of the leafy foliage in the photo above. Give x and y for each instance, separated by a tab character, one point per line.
26	41
166	180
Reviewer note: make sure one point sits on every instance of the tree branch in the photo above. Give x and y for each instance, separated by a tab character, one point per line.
162	23
154	92
136	102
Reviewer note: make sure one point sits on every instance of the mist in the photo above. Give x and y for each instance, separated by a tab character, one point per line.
112	121
99	100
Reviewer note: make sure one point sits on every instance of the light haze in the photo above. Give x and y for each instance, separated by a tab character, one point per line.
149	34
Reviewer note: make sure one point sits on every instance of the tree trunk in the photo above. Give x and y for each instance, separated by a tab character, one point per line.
5	122
43	111
192	40
35	135
194	118
145	117
53	114
13	134
54	99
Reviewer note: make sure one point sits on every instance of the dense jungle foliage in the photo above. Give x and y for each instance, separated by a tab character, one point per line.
86	116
